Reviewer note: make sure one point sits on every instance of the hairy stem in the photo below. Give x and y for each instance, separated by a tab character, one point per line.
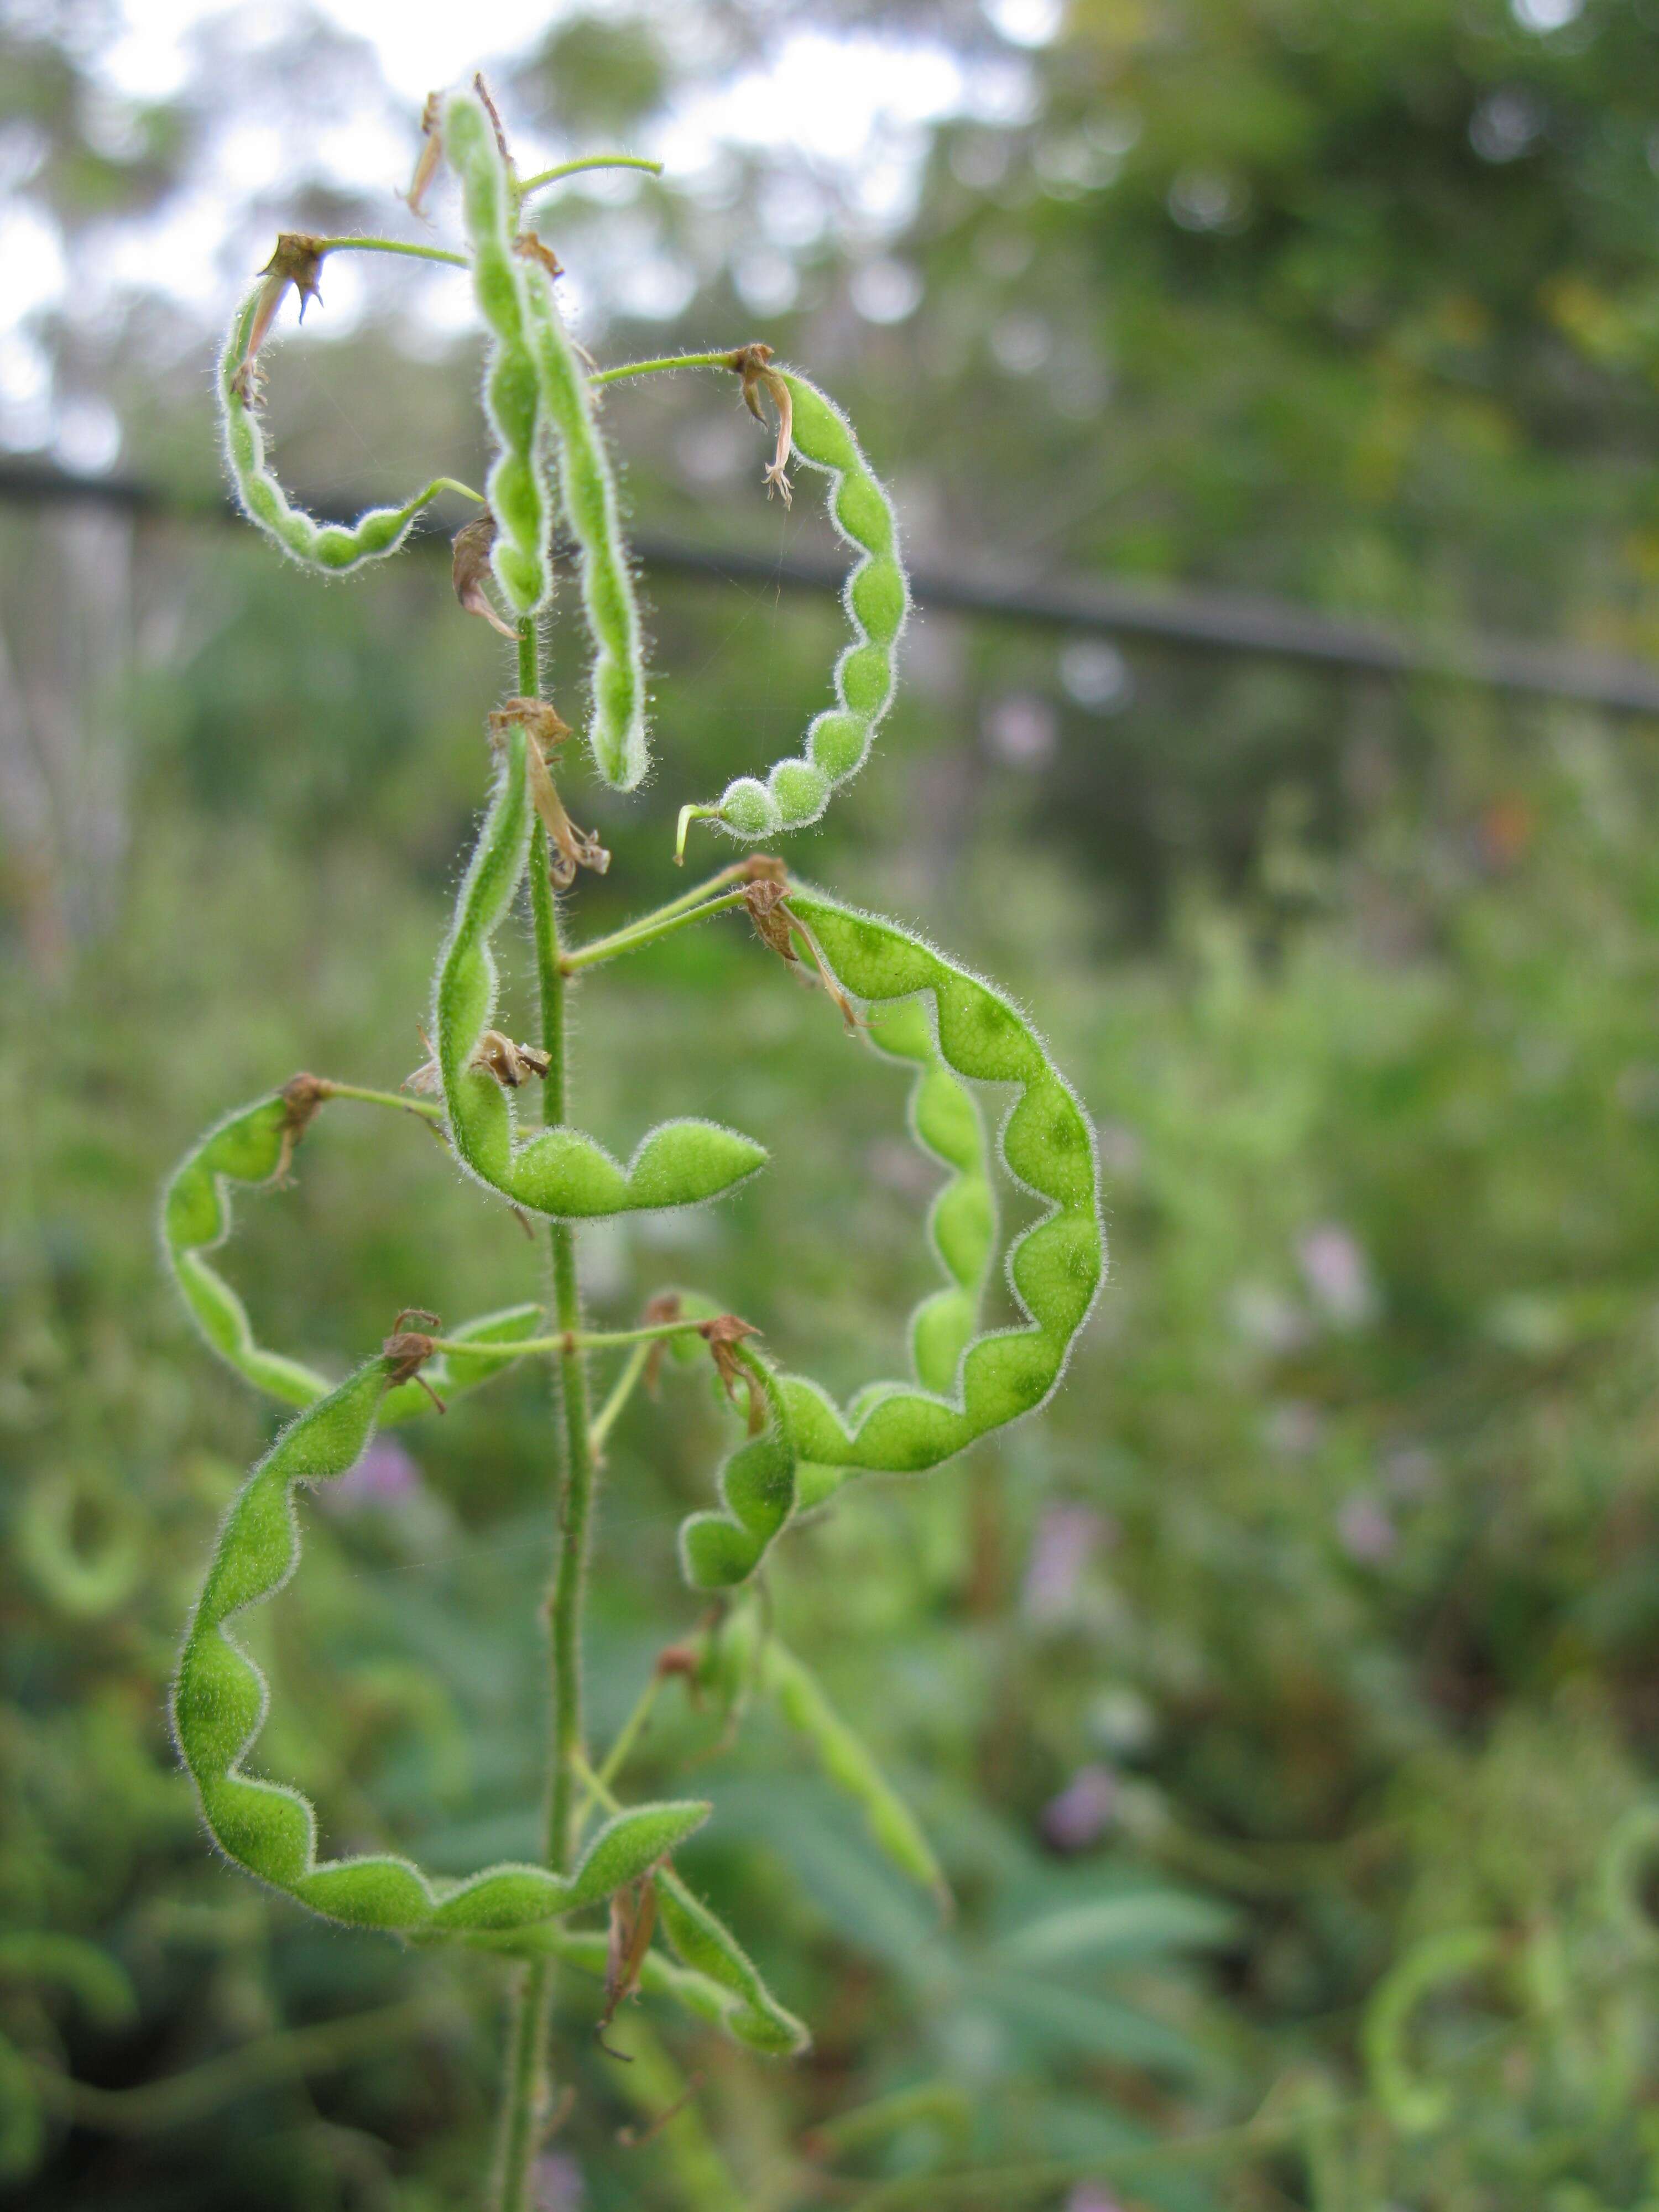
575	1340
588	161
428	1109
621	1391
662	364
525	2098
647	931
392	245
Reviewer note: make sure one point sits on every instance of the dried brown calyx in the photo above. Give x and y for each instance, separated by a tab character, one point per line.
469	571
633	1917
753	363
539	251
569	848
510	1064
302	1096
431	153
298	262
722	1335
406	1351
777	925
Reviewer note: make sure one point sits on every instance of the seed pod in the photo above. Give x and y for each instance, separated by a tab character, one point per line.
699	1994
220	1699
558	1171
516	490
616	734
876	598
254	1145
746	1651
331	546
756	1488
706	1945
1055	1267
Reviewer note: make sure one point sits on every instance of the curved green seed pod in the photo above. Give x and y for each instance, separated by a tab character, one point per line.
80	1581
706	1945
756	1487
876	598
331	546
253	1145
1055	1267
699	1994
558	1171
616	734
745	1652
516	489
220	1700
1417	2106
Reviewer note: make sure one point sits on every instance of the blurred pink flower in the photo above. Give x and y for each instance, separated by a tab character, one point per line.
385	1476
1083	1812
1066	1539
1365	1530
1338	1277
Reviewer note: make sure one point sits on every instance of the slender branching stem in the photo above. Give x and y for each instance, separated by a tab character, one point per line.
526	2099
646	930
392	245
621	1391
616	1758
571	1341
661	366
564	169
428	1109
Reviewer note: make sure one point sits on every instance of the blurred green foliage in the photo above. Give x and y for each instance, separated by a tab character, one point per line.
1281	1704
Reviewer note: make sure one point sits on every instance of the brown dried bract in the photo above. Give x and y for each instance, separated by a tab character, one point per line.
431	153
765	901
297	261
510	1064
571	848
752	362
302	1096
470	570
407	1350
539	251
722	1335
633	1917
495	115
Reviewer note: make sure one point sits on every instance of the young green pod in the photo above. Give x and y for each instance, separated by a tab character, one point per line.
220	1699
253	1145
706	1945
516	489
616	734
756	1488
332	547
877	596
558	1171
1055	1267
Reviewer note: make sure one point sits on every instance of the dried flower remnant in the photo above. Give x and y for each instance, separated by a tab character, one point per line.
469	571
511	1065
431	153
722	1335
633	1921
407	1350
297	262
753	363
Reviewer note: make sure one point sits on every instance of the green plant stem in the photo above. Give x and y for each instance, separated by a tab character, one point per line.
564	169
392	245
526	2093
178	2098
616	1758
664	363
621	1391
646	931
575	1341
426	1108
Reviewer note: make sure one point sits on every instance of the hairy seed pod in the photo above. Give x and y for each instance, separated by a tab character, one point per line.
616	734
743	1652
965	1388
876	597
559	1172
719	2003
704	1943
253	1145
220	1700
756	1487
332	547
516	489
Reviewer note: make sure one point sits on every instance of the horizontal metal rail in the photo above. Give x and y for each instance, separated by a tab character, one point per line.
1219	622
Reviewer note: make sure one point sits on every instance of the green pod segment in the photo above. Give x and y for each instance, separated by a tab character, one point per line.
332	547
744	1654
617	733
877	596
756	1488
220	1699
516	489
558	1172
252	1146
704	1943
